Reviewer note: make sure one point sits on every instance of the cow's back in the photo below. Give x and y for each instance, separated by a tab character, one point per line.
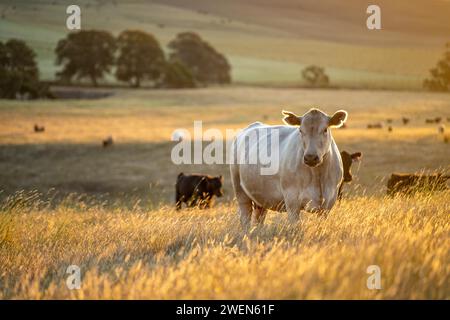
263	189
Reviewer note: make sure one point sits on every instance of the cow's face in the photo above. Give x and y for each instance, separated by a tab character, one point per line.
347	160
315	133
215	186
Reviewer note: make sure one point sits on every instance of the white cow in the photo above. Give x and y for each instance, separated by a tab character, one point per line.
310	167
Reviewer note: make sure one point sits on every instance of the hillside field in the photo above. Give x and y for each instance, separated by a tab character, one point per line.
65	200
267	42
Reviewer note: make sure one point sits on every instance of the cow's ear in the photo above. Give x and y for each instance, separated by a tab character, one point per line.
338	119
291	119
356	156
220	178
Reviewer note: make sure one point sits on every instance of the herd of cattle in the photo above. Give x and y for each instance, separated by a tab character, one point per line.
437	120
311	175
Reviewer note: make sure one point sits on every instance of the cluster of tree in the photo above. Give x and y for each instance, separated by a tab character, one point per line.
315	76
440	75
19	74
92	54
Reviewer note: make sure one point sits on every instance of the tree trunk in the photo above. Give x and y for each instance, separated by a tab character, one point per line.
137	82
94	80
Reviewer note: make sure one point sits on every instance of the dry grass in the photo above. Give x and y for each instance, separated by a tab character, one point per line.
130	243
163	254
68	155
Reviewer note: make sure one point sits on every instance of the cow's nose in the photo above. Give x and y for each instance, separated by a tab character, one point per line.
311	159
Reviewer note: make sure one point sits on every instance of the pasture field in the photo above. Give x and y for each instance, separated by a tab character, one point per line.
66	200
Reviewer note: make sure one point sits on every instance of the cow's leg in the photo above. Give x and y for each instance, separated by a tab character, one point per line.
331	197
193	202
259	214
340	191
245	210
293	205
178	200
207	202
244	202
210	202
293	214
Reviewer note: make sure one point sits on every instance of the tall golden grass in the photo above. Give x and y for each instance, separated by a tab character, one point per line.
203	254
131	249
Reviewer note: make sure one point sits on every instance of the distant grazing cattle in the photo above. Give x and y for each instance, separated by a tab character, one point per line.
390	129
407	183
374	126
435	120
441	129
405	120
38	128
108	142
309	167
197	190
347	160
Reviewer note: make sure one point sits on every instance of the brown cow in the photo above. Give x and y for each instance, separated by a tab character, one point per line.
374	126
197	190
108	142
39	128
405	120
435	120
347	160
407	183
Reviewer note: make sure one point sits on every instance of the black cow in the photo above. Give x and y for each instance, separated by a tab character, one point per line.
38	128
409	183
375	125
108	142
197	190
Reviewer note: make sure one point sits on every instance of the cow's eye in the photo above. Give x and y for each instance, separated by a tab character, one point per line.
325	131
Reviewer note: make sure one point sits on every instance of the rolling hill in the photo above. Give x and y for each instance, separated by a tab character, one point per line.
267	42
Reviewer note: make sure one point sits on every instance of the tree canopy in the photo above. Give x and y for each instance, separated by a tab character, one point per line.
19	73
85	54
206	65
440	75
176	75
315	76
140	57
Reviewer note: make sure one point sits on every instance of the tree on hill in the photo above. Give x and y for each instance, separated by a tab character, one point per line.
206	65
176	75
440	75
315	76
85	54
19	73
140	57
